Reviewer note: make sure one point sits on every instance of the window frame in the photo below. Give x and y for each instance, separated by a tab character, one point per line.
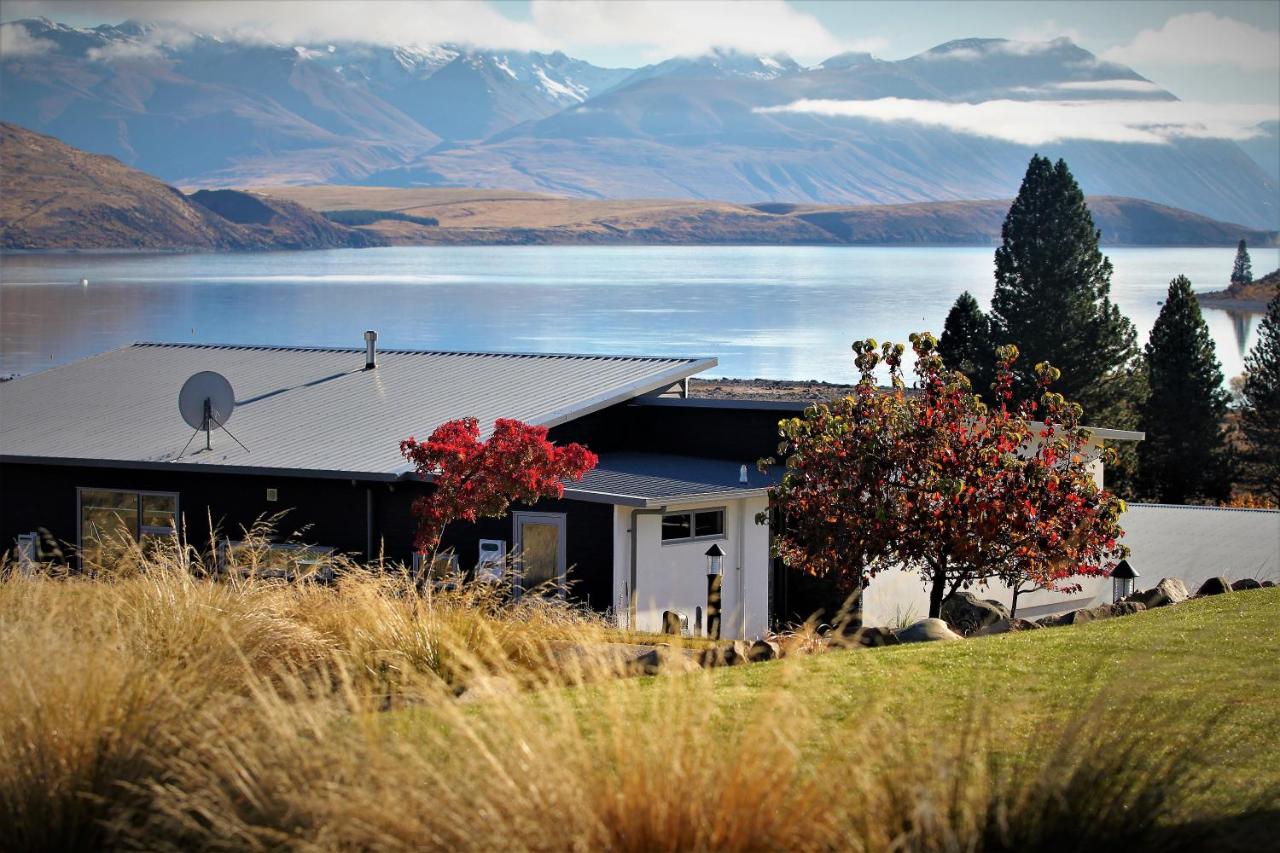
138	526
693	536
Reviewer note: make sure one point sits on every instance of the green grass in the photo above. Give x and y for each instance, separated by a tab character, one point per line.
1220	654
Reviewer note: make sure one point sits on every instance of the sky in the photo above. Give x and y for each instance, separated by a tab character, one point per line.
1201	51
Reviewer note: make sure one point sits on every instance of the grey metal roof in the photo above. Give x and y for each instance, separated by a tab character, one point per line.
653	479
312	410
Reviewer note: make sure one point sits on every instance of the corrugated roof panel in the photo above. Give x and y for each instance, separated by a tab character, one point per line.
305	408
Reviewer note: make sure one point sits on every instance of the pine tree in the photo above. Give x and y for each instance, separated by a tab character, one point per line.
966	345
1185	456
1242	272
1052	298
1260	418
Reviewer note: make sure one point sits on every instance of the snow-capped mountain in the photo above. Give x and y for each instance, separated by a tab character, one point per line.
198	109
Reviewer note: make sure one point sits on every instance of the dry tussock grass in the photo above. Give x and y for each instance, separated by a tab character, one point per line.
166	709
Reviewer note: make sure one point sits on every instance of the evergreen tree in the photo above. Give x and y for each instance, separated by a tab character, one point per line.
966	345
1052	298
1260	418
1185	456
1242	272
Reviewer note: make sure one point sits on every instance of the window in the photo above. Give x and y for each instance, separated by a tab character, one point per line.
693	525
275	559
112	521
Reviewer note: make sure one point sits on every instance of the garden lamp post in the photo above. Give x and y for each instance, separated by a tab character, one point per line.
715	580
1122	577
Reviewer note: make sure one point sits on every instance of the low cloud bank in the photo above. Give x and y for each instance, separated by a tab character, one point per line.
1043	122
16	42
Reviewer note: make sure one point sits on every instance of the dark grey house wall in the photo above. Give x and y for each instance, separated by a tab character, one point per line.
588	545
334	513
739	434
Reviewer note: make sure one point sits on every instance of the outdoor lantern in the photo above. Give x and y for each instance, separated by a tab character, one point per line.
715	561
1122	577
715	579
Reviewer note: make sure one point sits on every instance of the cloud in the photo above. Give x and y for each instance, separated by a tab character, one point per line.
1108	86
149	46
1202	38
1005	46
1043	122
387	22
658	28
665	28
15	41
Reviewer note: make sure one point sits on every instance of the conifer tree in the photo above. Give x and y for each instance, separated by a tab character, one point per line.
1053	298
1185	456
1242	272
966	344
1260	418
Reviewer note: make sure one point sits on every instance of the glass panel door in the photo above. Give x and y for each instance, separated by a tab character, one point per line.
540	544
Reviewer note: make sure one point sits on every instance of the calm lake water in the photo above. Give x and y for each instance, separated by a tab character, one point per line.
775	312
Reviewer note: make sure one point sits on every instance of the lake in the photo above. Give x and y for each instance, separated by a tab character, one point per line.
766	311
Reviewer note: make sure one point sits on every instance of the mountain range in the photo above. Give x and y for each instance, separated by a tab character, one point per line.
203	111
56	197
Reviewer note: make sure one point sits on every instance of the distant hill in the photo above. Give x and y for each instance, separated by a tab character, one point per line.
54	196
510	217
207	110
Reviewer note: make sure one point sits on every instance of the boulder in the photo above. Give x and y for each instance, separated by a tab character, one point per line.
1245	583
966	613
1268	584
1005	626
1214	586
1092	614
927	631
868	637
764	650
663	660
1168	591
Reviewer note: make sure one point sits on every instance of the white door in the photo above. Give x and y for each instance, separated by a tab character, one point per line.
539	540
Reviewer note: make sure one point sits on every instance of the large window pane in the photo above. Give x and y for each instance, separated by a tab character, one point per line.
108	524
676	526
709	523
159	513
108	514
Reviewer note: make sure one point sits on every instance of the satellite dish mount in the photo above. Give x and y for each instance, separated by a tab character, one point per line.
206	402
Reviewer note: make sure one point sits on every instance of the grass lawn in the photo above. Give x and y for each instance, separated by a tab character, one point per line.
1220	654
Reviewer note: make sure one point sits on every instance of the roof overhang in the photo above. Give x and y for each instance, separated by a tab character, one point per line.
589	496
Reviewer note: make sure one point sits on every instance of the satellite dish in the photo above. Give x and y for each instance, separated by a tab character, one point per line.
206	400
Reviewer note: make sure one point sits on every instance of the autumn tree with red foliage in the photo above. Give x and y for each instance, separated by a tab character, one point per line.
939	482
475	478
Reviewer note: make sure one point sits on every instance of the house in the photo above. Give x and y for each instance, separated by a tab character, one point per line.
100	442
315	432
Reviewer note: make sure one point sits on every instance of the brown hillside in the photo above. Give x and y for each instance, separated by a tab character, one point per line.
54	196
501	216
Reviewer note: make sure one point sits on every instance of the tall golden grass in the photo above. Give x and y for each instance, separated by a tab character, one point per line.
169	708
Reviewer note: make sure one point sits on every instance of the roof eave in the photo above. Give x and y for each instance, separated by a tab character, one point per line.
651	502
623	393
203	468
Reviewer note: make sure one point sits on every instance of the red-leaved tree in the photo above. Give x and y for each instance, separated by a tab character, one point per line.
475	478
941	483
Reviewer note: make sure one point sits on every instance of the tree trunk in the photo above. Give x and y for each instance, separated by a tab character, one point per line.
938	589
1013	608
